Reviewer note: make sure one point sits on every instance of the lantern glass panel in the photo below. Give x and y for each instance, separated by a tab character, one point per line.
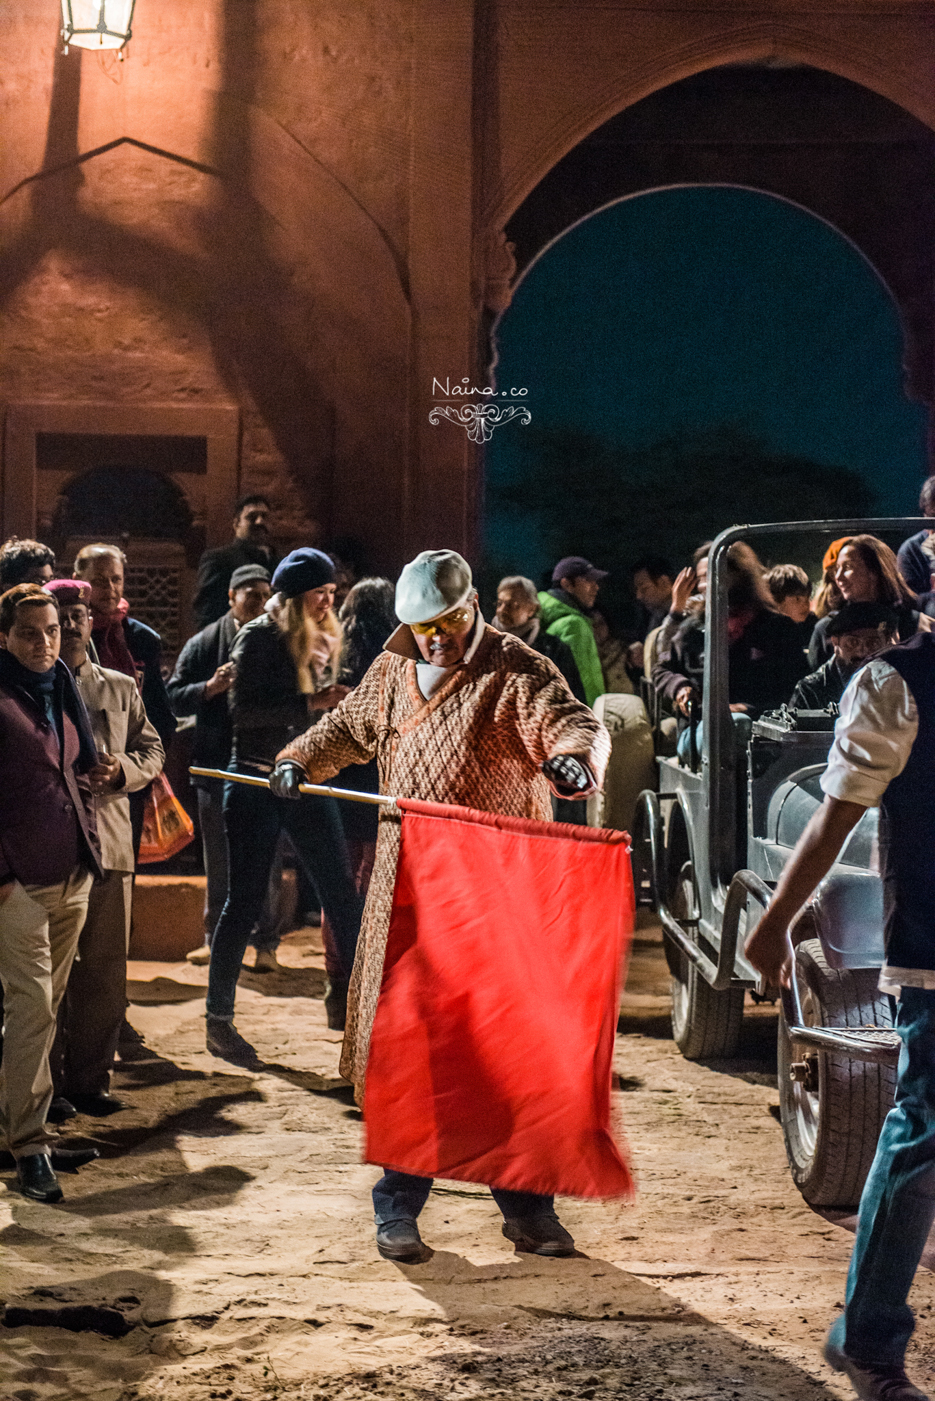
96	24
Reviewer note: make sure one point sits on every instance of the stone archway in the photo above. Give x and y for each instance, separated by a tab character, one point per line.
829	145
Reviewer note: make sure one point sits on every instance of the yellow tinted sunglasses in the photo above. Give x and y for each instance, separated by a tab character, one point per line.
455	621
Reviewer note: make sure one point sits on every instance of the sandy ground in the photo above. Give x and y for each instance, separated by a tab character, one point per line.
222	1246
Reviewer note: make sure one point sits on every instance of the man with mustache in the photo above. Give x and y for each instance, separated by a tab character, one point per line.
129	756
454	712
251	545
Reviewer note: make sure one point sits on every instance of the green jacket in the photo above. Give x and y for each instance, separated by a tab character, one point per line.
566	621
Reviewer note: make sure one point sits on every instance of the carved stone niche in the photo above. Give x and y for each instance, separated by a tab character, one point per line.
160	481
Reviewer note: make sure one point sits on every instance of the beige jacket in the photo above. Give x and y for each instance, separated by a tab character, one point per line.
120	726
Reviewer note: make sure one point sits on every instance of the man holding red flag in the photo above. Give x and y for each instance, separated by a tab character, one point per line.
460	714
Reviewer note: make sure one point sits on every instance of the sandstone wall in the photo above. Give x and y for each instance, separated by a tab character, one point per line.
296	210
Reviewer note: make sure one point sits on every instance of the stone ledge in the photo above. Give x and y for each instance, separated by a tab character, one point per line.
168	915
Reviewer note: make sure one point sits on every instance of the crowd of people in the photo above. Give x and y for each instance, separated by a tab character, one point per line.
300	672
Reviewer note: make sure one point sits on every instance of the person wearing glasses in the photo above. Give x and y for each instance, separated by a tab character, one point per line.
457	712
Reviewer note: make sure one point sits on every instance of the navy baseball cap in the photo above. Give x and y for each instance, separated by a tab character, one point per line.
576	567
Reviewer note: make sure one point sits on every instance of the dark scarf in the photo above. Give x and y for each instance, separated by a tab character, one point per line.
110	639
54	692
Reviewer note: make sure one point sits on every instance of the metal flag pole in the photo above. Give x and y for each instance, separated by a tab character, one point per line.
255	781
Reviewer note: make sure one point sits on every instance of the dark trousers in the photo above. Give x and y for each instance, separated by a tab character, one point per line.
897	1207
400	1196
253	819
214	848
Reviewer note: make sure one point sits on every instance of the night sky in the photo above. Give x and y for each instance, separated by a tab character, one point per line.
689	308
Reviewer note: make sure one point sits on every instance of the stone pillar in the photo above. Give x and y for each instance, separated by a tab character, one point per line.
439	489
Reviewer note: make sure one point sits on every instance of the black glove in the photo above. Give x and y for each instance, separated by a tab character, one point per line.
285	779
569	777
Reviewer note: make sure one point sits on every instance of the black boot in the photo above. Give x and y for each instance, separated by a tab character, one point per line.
36	1178
60	1109
539	1235
336	1004
224	1041
400	1240
99	1105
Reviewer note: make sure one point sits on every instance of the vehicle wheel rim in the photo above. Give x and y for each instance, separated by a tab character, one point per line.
684	908
805	1102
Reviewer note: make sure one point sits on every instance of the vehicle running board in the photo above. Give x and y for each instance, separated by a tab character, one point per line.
719	978
873	1044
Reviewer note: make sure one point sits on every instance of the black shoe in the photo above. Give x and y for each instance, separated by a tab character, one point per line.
224	1041
539	1235
400	1240
873	1383
71	1159
60	1109
36	1178
99	1105
131	1045
336	1005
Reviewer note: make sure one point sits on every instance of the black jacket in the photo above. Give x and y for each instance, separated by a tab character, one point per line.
146	649
915	565
764	663
214	576
198	661
266	707
561	654
823	687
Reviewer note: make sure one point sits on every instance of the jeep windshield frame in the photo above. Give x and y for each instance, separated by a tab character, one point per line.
716	838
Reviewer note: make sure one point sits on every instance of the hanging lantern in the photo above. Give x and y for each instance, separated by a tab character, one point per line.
96	24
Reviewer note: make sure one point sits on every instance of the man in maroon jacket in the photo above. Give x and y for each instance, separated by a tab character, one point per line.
48	859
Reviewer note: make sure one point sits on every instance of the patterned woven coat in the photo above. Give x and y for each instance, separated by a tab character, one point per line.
478	742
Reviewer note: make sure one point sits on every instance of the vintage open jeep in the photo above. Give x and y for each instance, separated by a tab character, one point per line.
708	849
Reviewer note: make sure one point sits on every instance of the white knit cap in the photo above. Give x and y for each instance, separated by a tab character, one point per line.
432	584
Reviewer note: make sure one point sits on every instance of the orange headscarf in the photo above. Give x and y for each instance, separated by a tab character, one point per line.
832	552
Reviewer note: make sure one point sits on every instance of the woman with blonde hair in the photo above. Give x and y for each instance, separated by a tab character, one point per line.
865	570
286	677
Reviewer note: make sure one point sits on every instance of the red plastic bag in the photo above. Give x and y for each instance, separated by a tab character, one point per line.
167	827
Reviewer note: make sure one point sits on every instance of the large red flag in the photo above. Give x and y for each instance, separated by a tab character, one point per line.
491	1049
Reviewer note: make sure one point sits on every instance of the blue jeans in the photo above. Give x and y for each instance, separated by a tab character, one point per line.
897	1207
254	819
400	1196
214	849
743	728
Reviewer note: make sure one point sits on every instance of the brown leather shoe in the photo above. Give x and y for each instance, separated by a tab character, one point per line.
872	1382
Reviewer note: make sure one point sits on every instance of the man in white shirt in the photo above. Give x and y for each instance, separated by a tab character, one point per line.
883	754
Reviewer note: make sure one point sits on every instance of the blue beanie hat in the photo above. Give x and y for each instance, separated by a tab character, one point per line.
302	570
